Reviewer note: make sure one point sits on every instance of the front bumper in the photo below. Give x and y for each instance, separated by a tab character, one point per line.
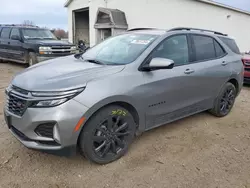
247	75
65	116
41	58
44	58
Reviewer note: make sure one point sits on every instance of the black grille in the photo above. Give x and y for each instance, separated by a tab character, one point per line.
50	143
16	106
45	130
61	47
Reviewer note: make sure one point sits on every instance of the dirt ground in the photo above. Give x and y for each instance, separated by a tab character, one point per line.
197	152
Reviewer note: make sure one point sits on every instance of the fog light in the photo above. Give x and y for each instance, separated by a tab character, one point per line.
56	135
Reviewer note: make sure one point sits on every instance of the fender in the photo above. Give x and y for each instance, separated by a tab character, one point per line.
116	99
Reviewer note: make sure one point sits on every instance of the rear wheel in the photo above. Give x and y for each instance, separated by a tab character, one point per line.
107	135
225	101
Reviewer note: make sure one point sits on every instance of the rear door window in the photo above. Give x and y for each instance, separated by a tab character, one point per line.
204	47
5	34
231	44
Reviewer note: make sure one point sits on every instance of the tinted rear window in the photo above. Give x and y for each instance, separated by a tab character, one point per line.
5	33
204	47
231	44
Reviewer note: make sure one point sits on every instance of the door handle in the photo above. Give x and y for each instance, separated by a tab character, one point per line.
224	63
189	71
8	42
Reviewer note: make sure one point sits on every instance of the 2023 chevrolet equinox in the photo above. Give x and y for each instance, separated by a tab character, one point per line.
126	85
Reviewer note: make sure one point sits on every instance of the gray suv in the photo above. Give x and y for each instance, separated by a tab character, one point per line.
139	80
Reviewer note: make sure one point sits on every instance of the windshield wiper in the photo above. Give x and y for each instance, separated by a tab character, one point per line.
95	61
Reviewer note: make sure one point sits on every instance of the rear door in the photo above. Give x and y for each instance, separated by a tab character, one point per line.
15	47
210	67
5	42
170	94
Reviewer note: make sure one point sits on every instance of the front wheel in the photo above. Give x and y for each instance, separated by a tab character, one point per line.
225	101
107	135
31	59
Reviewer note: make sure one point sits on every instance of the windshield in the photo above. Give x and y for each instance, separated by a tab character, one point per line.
38	34
122	49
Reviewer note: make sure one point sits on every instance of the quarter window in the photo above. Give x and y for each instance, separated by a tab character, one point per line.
5	33
231	44
218	49
174	48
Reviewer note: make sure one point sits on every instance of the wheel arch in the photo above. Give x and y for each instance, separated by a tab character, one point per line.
138	117
235	83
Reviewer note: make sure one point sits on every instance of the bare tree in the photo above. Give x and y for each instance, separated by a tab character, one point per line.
60	33
28	22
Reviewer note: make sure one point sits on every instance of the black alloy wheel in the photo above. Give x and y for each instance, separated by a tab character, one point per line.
107	135
225	101
111	136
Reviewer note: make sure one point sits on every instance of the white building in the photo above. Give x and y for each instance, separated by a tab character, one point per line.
94	20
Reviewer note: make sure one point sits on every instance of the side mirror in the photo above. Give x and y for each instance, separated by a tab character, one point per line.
159	63
58	38
15	37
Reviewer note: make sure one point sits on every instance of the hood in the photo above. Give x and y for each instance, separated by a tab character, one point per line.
50	42
63	73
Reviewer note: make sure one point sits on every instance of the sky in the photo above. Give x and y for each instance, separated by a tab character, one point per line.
241	4
52	14
49	13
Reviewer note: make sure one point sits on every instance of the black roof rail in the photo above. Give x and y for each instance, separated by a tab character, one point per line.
18	25
196	29
142	28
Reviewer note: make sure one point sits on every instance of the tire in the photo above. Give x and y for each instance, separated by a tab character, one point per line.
225	101
32	59
107	135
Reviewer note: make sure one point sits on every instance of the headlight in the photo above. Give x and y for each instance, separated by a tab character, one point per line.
50	103
51	99
43	48
73	48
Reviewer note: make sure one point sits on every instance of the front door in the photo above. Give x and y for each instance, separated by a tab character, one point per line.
15	47
4	42
174	93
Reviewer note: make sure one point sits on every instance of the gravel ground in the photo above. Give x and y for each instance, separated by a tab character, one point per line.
200	151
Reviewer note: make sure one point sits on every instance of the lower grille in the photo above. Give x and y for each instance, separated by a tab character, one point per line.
16	106
49	143
45	130
20	134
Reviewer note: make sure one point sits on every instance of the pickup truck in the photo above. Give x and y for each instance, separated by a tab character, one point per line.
31	44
